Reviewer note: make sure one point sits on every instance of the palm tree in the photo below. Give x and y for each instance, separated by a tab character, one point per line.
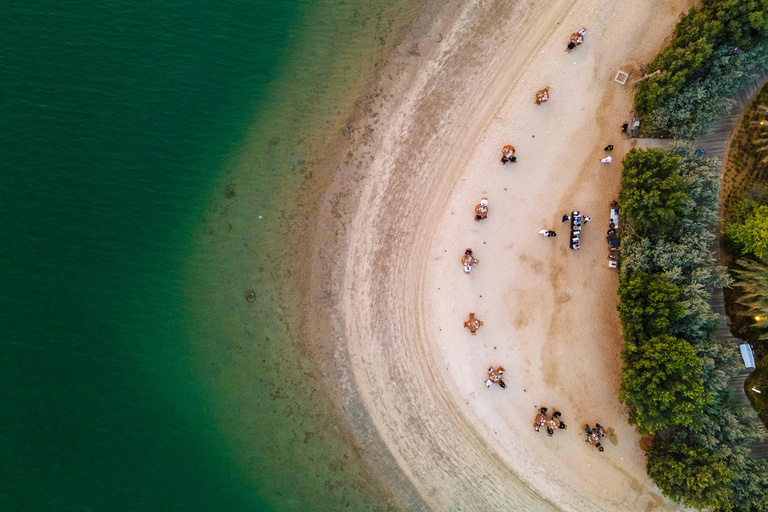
761	143
752	279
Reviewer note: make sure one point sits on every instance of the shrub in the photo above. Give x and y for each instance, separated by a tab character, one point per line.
691	475
662	386
653	193
749	232
692	111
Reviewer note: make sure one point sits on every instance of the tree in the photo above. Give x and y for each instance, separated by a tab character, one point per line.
750	232
691	475
744	22
662	385
653	193
750	487
648	306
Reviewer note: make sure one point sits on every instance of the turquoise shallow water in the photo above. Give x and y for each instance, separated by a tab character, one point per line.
135	375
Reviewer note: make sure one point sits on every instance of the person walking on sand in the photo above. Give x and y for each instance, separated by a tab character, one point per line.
548	233
606	160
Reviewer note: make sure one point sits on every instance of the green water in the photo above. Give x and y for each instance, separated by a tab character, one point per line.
135	375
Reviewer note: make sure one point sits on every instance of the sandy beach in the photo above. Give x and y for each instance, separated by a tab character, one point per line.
392	226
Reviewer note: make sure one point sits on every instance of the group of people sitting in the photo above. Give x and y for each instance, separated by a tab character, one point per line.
551	423
576	39
578	221
481	210
468	261
494	377
594	435
508	154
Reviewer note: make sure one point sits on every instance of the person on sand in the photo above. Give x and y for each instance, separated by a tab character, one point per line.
609	147
468	261
624	127
481	210
541	419
556	416
606	160
587	219
565	218
548	233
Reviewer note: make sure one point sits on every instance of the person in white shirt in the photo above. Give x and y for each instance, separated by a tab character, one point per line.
606	160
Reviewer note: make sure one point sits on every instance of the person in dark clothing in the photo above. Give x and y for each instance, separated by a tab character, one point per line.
565	218
624	127
609	147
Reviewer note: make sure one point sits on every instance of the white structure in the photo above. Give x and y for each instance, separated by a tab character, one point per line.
747	355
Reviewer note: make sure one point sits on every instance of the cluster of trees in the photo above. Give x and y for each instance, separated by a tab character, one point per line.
674	380
746	230
716	49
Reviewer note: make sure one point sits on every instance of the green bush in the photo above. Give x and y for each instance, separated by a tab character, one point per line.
710	55
749	231
653	193
691	475
692	111
662	386
675	372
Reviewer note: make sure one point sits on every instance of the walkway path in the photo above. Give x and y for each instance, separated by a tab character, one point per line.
716	144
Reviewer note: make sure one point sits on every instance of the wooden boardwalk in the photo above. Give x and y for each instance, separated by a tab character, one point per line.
716	145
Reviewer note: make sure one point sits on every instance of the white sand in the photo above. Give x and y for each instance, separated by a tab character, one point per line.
549	312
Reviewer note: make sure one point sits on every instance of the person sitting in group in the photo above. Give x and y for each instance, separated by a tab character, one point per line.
541	419
556	416
468	260
481	210
508	154
547	232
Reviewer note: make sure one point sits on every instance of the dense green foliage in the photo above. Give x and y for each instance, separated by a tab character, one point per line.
691	475
748	228
653	193
662	386
675	371
716	48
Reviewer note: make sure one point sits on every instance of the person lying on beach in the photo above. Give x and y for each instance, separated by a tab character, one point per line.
606	160
548	233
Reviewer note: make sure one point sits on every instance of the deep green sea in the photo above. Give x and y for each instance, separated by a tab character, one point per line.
139	144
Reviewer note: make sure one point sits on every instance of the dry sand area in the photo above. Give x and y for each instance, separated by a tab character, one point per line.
549	312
